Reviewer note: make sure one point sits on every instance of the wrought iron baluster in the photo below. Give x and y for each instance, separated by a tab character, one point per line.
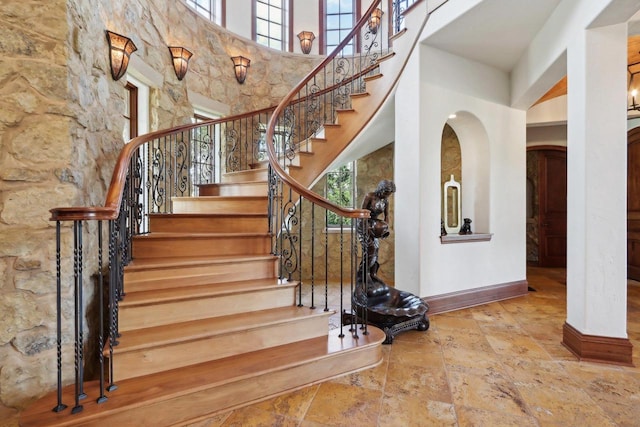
113	313
77	276
313	253
326	260
341	310
300	239
60	406
102	398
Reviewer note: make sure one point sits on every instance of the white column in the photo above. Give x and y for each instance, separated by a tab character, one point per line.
407	177
597	178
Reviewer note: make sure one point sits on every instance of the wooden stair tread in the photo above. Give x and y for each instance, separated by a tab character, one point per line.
170	262
233	183
197	329
220	198
210	215
173	235
156	388
200	291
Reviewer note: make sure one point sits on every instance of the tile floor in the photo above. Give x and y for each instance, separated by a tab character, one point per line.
498	364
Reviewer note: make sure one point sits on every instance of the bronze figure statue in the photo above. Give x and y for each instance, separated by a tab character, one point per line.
391	310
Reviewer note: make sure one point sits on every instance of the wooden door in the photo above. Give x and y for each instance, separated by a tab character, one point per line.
552	225
633	204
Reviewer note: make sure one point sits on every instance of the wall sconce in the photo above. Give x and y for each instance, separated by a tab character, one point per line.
306	40
180	57
240	65
375	19
120	49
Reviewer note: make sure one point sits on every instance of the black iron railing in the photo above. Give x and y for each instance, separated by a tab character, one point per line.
153	168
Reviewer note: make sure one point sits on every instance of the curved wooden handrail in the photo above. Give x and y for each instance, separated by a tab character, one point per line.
273	161
113	199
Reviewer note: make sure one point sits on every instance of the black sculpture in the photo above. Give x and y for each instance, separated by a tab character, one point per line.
466	227
391	310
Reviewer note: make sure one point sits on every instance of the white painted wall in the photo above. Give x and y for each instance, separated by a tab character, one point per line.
239	17
480	96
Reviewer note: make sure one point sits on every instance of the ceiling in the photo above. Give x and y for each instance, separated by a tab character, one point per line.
495	32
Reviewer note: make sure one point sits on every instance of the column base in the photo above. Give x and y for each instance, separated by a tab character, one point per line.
592	348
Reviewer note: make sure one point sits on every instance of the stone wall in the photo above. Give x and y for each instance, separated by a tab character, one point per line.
61	131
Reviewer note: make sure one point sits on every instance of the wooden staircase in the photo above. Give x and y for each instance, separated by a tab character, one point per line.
206	326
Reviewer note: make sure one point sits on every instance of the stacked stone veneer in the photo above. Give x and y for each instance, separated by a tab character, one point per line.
61	131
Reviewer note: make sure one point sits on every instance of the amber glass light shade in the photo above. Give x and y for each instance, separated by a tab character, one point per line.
120	49
306	41
240	65
375	19
180	57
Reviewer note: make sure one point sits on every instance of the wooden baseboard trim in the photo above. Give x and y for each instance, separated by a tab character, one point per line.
593	348
472	297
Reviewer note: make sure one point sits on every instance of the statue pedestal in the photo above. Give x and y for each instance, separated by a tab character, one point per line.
393	311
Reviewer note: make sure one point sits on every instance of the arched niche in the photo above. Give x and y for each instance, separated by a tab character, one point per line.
475	169
450	167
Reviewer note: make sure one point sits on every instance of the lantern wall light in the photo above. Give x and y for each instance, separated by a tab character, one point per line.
120	50
375	20
180	57
306	41
240	65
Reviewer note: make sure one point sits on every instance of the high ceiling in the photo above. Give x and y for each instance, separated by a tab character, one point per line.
495	32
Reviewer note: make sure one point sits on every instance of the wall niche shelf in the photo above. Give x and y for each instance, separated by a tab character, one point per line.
465	238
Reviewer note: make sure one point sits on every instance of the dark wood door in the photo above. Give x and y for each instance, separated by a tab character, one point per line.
633	204
552	226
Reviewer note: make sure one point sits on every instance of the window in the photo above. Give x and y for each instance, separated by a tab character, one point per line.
337	19
130	112
210	9
271	23
205	150
340	189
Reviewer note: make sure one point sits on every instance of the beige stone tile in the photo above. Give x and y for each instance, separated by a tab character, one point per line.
412	354
293	405
481	358
215	421
473	417
373	378
255	417
488	389
533	373
516	345
493	313
409	411
457	323
340	404
427	382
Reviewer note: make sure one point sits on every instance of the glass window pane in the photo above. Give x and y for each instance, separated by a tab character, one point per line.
276	3
333	22
333	38
262	40
262	11
275	44
275	31
346	6
275	15
346	21
262	27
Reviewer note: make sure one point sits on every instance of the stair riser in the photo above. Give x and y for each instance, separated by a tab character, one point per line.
200	205
246	176
147	280
249	189
145	316
201	246
209	225
151	360
208	402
